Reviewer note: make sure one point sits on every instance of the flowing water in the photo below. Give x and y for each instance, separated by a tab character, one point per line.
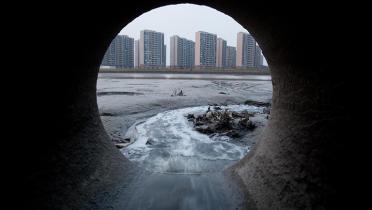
182	169
168	143
184	166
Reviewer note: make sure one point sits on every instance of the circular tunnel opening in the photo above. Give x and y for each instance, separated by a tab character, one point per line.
198	108
184	100
297	164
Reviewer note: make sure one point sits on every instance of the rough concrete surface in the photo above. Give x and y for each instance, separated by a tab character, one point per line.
298	164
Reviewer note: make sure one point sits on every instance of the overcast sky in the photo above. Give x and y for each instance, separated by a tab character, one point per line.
184	20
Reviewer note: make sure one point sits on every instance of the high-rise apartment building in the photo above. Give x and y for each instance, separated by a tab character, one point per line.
109	57
136	51
221	53
152	51
205	49
120	53
182	52
245	50
164	56
258	59
230	57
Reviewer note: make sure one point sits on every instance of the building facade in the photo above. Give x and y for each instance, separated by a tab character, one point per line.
164	56
245	50
152	51
205	49
221	53
182	52
258	59
230	57
136	51
120	53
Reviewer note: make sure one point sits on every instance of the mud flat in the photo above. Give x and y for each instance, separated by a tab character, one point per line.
122	102
183	167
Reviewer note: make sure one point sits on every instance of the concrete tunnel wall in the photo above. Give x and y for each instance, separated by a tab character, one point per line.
297	163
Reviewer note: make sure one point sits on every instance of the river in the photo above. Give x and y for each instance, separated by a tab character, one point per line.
182	169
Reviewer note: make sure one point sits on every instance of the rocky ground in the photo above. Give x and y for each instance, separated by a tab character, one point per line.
217	121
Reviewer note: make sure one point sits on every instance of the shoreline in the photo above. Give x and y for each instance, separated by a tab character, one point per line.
185	76
194	71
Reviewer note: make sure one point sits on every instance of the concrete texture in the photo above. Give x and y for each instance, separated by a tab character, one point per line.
68	162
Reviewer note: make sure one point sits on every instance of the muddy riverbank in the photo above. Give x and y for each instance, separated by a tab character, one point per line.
182	169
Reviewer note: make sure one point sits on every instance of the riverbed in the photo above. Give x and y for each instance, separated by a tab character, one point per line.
181	168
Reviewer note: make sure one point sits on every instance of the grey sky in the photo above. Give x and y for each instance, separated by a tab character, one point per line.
184	20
